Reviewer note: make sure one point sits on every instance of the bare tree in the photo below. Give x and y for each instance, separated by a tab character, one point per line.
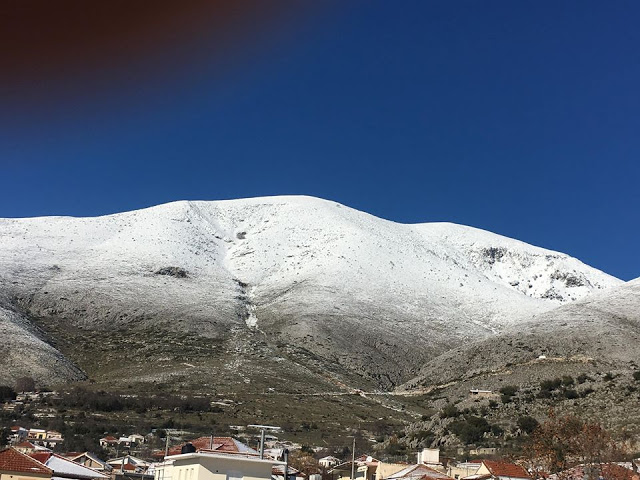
564	442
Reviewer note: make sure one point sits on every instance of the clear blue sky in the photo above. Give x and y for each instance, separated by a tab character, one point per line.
522	118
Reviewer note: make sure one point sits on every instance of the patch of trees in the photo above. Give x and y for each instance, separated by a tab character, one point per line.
449	411
395	447
562	442
7	393
423	438
507	393
25	384
561	387
583	377
102	401
471	429
4	436
527	424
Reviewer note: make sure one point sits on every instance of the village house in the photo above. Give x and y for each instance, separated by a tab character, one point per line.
463	469
28	448
15	465
215	458
124	442
217	444
328	462
36	434
385	469
277	473
13	406
108	441
476	392
44	438
431	458
90	460
365	468
63	468
137	438
128	463
481	451
130	468
52	439
420	471
496	470
18	434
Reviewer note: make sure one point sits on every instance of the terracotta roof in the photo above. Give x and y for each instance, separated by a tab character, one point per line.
12	460
220	444
26	444
41	456
505	469
439	476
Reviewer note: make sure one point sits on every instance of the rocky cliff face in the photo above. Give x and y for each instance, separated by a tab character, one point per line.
282	290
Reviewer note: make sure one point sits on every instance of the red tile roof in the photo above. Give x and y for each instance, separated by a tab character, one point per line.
220	444
505	469
42	457
26	444
12	460
439	476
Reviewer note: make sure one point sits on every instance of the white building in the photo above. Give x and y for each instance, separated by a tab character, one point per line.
214	466
328	462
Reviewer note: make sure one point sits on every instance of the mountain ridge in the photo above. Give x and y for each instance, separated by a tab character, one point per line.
346	290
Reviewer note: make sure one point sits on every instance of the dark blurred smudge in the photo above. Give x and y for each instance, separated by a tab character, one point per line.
59	42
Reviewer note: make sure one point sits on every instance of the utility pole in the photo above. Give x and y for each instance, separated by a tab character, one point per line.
166	445
353	459
262	444
263	428
286	464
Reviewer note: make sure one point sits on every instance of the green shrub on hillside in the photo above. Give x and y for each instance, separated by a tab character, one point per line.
527	424
450	411
470	429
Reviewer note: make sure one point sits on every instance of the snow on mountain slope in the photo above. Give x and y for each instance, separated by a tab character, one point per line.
25	355
602	329
371	295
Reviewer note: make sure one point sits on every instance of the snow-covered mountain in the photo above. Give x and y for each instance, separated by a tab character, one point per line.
599	333
341	289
